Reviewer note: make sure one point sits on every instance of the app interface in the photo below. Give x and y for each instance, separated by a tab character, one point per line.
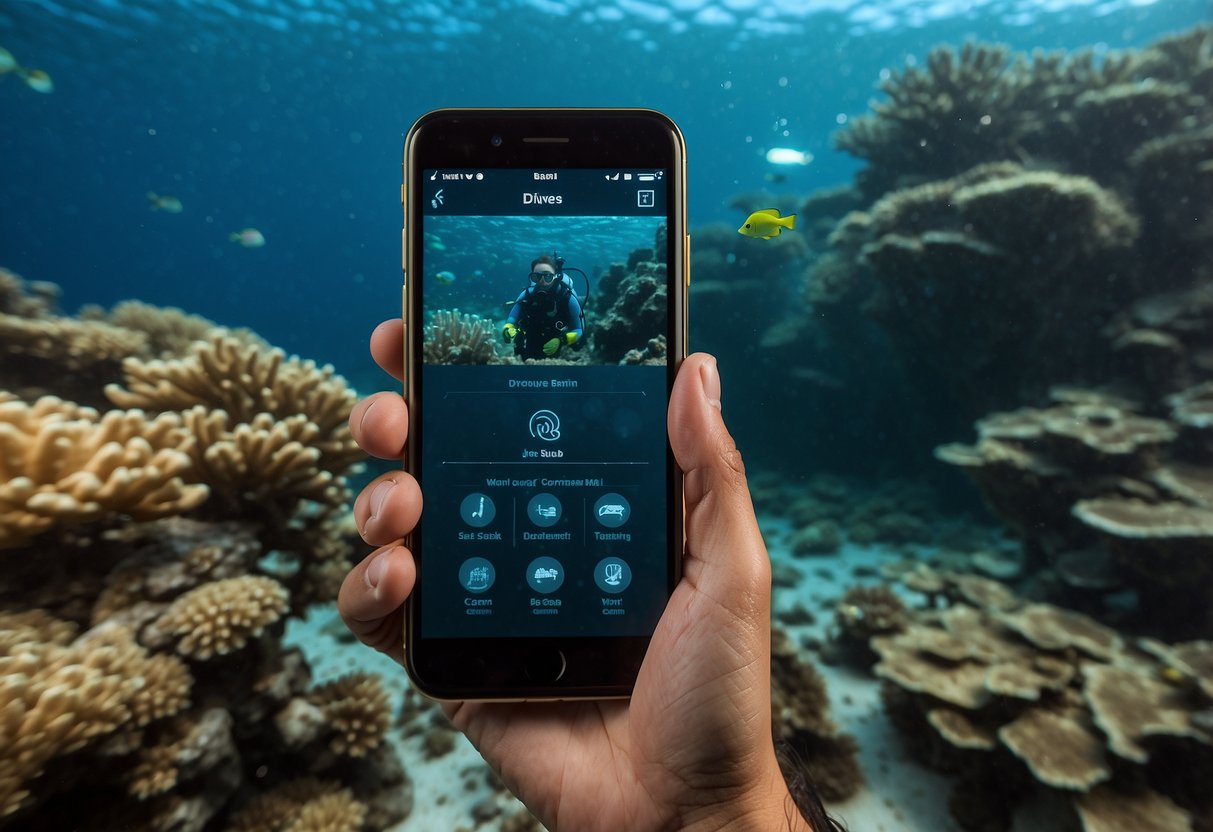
543	405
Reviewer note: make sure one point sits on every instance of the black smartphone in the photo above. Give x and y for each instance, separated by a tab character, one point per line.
545	276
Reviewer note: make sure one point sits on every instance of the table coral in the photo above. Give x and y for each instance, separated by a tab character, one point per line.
1070	700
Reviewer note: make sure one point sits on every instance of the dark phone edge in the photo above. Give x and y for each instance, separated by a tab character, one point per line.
679	280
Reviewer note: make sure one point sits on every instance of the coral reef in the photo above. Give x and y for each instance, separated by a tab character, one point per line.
453	337
1018	694
1081	111
816	749
1004	221
153	552
632	309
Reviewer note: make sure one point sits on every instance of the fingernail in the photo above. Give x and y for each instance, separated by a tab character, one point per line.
710	379
379	495
375	570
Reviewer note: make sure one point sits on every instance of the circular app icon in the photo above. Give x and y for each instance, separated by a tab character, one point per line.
544	510
612	510
545	575
477	574
612	575
477	510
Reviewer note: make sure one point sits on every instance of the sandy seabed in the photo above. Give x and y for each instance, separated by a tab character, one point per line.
899	796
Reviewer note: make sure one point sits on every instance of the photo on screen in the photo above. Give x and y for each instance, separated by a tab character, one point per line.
545	289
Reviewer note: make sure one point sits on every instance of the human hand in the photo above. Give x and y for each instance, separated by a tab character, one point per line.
552	347
508	332
692	749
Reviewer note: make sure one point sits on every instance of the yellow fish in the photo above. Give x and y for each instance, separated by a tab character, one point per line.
766	224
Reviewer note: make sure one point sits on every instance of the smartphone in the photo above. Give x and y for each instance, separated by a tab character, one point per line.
545	276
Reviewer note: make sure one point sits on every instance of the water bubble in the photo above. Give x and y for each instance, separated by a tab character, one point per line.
151	131
727	85
841	118
985	120
783	82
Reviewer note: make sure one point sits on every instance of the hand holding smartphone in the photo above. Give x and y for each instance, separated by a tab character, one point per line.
545	305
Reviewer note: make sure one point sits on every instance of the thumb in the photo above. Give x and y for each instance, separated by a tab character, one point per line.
725	555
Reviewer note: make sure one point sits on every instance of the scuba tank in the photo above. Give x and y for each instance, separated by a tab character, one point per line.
584	301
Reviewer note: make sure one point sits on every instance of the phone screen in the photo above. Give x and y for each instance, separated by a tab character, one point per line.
545	320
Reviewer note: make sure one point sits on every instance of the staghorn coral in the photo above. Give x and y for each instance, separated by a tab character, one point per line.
220	617
357	707
64	465
454	337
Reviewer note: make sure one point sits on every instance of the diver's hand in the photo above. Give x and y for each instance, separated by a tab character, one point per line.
508	332
692	749
552	347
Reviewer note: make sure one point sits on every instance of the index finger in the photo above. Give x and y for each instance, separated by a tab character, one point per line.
387	347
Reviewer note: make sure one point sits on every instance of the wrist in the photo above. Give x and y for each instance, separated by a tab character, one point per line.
767	807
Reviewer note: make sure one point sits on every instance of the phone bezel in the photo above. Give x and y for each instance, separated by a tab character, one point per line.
505	669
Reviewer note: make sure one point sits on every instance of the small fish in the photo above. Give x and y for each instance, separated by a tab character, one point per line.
249	238
433	242
167	204
766	224
788	156
445	278
7	62
36	80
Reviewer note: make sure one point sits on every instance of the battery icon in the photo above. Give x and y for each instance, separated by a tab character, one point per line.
645	177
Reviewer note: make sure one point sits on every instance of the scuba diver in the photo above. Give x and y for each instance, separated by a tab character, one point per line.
547	316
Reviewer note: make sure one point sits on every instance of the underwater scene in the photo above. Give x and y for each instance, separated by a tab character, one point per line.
972	382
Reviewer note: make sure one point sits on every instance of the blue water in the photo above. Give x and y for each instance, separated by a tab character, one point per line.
288	116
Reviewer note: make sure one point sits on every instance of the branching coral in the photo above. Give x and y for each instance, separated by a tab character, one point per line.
266	423
357	707
62	465
304	805
454	337
220	617
59	696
